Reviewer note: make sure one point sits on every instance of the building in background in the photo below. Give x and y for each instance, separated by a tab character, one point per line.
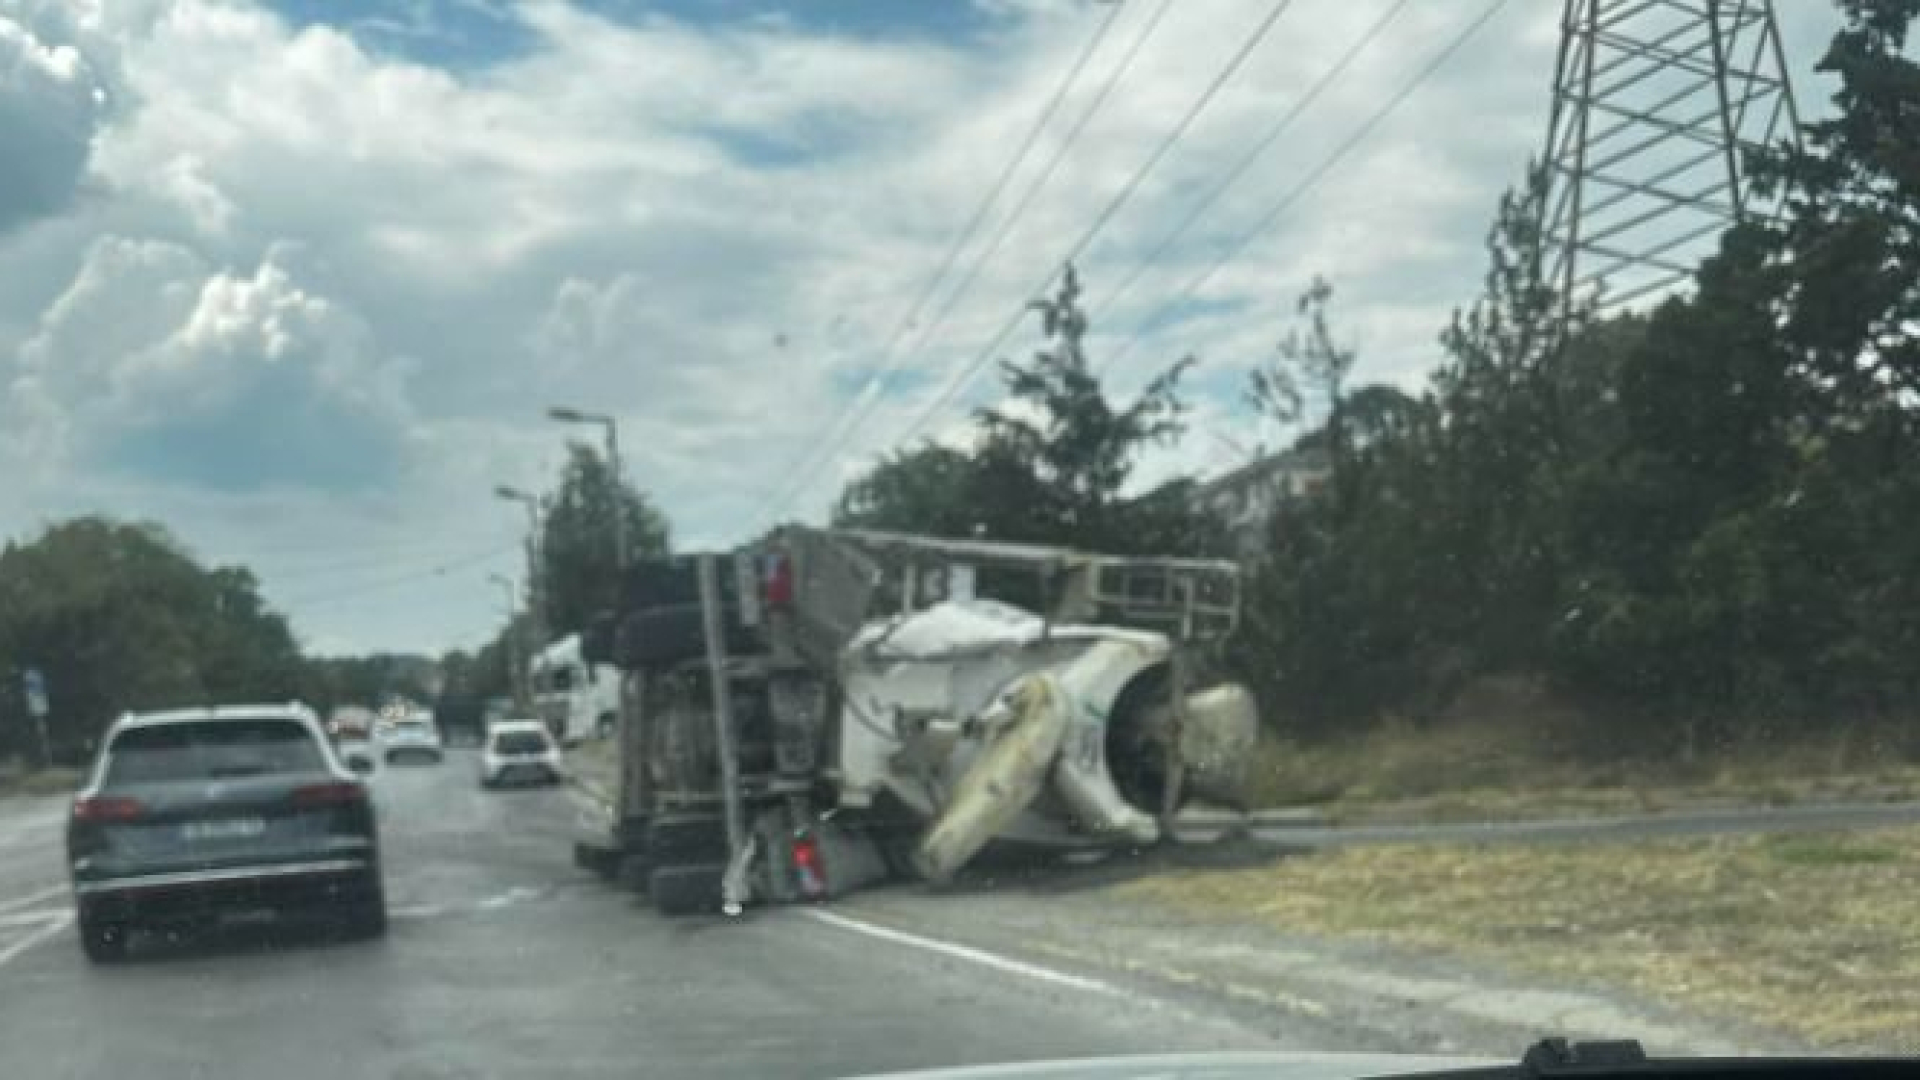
1245	499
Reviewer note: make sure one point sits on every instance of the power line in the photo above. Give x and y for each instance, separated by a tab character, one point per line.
870	391
980	259
1247	160
349	567
336	595
1312	179
980	359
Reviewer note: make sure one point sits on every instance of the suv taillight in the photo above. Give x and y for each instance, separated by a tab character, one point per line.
340	794
102	808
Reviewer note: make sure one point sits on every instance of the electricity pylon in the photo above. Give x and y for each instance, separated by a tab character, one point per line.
1656	104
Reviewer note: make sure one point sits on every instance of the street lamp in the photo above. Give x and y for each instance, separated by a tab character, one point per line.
564	415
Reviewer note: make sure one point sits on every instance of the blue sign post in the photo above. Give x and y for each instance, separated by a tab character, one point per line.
35	685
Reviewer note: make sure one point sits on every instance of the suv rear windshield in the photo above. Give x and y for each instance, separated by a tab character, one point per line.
519	742
211	748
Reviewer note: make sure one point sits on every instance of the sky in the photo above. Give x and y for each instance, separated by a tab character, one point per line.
299	278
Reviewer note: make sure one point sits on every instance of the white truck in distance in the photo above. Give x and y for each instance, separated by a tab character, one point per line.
578	700
827	708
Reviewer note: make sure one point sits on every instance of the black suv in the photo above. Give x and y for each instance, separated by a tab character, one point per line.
193	814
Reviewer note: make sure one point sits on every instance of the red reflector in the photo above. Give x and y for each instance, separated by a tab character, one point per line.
806	867
779	585
328	794
107	808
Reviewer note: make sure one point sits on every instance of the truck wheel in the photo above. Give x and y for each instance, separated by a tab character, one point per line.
596	859
673	634
634	872
676	841
686	890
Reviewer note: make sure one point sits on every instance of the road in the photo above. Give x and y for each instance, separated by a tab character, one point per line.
504	960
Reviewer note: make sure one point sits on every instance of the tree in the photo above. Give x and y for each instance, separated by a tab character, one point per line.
1052	462
1319	361
1058	456
1850	245
926	489
119	617
368	681
579	563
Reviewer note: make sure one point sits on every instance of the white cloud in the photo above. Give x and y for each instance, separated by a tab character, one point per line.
50	100
155	367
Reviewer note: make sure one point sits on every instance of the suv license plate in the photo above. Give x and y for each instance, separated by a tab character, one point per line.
224	829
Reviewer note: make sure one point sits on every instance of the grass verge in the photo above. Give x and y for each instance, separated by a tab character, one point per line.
596	764
1816	935
1511	769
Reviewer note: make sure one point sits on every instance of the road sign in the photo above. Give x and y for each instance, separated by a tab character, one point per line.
36	686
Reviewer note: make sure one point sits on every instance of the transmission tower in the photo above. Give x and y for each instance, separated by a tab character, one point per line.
1655	106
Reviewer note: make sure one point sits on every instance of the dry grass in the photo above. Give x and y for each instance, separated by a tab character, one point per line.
1507	767
1816	935
596	763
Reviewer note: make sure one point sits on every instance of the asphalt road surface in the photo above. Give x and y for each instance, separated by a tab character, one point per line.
504	960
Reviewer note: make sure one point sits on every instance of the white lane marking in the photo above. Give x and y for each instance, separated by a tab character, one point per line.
52	926
30	899
964	952
30	918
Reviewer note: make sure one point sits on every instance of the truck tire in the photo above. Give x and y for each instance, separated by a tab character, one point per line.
633	872
672	634
679	840
595	858
686	890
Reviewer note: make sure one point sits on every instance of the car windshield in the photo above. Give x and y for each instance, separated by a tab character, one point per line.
873	535
520	742
210	750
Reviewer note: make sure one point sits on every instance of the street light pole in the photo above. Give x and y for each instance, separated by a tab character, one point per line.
612	428
516	667
536	575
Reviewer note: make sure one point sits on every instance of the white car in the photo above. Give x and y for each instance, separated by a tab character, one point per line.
356	753
518	751
409	737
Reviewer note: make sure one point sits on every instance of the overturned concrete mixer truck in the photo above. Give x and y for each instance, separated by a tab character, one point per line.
825	709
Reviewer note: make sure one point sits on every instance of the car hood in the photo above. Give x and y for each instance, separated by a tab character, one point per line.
1214	1066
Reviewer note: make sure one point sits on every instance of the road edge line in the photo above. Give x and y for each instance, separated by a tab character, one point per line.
964	952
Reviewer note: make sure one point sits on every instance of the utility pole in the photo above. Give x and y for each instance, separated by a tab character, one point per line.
536	570
516	662
611	429
1655	109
